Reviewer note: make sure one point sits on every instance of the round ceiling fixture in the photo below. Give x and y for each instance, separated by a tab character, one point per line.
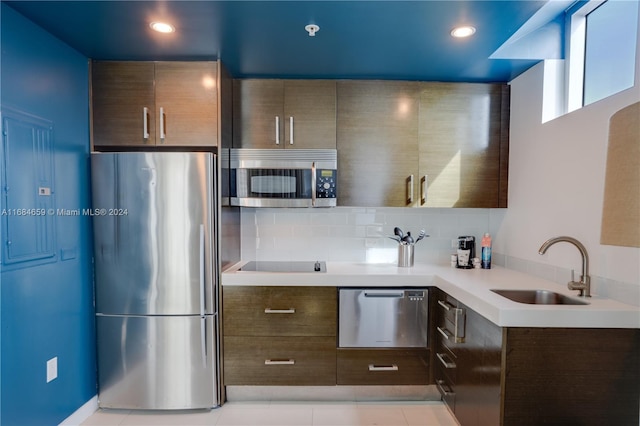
312	29
461	32
162	27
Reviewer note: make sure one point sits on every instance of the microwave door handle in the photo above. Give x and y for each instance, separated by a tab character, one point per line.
313	184
291	130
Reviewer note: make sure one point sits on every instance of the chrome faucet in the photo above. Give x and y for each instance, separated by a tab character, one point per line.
584	285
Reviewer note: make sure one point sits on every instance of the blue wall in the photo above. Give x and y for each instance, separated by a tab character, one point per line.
47	309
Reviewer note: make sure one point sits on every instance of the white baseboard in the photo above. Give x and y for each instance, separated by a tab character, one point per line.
82	413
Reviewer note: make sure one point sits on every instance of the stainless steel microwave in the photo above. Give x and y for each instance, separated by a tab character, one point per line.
283	178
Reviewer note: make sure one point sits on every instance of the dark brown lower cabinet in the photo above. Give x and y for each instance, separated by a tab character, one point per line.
383	367
519	376
478	365
571	376
251	360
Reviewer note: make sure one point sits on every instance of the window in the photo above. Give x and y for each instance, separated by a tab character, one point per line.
602	49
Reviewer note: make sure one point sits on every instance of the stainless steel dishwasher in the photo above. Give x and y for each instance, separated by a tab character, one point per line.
383	318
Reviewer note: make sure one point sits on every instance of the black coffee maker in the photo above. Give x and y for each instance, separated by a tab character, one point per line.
466	251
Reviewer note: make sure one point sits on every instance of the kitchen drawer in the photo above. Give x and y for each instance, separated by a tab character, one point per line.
451	322
279	311
445	386
383	366
445	360
279	361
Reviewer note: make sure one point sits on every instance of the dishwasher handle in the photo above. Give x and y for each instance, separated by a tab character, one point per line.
384	293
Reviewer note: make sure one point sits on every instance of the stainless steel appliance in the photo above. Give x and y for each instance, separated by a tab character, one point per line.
156	279
383	317
283	178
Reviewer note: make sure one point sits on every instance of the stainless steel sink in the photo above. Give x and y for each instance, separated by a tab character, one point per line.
539	297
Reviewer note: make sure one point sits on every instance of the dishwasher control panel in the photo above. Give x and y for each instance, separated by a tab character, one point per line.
416	295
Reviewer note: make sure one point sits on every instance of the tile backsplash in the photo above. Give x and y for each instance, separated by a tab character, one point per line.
358	234
351	234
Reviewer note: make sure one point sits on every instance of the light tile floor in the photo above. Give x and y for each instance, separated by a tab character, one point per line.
288	414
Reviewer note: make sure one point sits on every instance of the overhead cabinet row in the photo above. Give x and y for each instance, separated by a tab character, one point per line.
400	143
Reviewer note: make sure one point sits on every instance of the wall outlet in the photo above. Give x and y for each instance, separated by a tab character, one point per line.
52	369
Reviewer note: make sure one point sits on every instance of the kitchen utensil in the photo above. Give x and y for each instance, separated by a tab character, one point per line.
408	239
421	235
397	231
396	238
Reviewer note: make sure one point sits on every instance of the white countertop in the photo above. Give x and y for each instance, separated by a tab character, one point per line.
470	286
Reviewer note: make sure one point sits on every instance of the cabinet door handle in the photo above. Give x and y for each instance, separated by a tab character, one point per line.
279	361
145	123
277	130
163	125
291	130
445	333
392	367
447	364
410	189
279	311
423	190
459	320
446	305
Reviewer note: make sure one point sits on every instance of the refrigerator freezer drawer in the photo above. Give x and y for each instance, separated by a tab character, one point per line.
157	362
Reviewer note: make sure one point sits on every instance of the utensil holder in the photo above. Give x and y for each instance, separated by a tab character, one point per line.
405	255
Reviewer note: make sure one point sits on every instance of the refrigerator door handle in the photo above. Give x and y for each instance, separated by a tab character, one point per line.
202	274
203	318
203	341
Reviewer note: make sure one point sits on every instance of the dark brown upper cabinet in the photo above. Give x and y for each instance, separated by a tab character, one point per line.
377	143
422	144
284	113
463	139
136	104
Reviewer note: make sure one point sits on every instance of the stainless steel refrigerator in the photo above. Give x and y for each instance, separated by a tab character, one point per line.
156	279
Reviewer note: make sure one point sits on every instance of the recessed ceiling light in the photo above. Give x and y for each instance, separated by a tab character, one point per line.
461	32
162	27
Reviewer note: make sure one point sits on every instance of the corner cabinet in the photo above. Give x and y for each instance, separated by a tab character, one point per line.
141	104
463	144
286	114
422	144
514	376
279	335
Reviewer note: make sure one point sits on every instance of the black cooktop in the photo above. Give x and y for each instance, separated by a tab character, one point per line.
275	266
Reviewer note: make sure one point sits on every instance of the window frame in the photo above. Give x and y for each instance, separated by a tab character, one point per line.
575	48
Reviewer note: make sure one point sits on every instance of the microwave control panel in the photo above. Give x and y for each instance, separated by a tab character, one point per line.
325	183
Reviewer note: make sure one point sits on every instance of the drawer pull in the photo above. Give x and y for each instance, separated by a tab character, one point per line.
459	319
279	311
445	333
443	390
392	367
444	362
446	305
279	361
